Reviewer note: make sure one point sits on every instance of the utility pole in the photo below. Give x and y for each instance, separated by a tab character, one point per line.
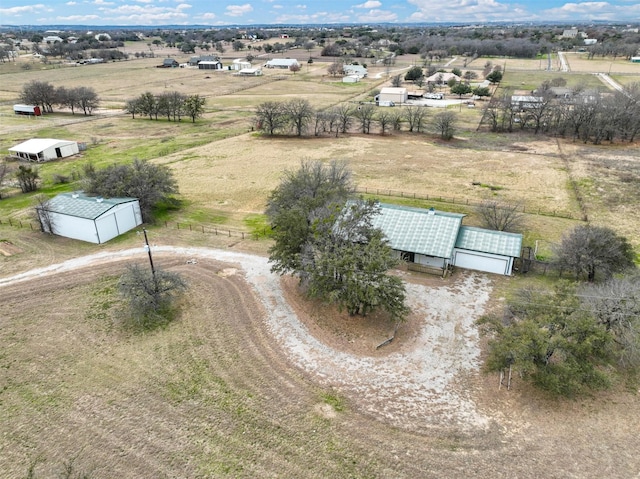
148	248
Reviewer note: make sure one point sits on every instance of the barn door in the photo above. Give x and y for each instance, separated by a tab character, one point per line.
58	153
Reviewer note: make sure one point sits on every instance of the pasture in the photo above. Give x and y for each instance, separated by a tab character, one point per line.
223	392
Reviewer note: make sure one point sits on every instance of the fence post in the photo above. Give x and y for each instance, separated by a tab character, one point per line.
243	235
202	228
229	233
190	227
10	223
178	225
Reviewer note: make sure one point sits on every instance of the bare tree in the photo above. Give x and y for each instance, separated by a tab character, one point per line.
396	81
4	172
299	113
271	117
588	250
151	294
501	216
43	214
445	124
27	177
344	117
384	118
364	114
336	68
415	116
86	98
616	304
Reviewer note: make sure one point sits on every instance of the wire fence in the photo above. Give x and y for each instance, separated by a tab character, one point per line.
215	230
461	201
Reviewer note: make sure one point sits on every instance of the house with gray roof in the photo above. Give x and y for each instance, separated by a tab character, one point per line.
89	218
437	239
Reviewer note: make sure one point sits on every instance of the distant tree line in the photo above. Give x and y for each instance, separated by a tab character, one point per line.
46	95
299	118
172	105
586	115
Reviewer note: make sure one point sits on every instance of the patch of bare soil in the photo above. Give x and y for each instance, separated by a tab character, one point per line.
9	249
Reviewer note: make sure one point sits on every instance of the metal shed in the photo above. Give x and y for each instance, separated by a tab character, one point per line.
92	219
45	149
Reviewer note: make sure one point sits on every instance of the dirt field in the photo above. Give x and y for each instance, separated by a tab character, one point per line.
239	387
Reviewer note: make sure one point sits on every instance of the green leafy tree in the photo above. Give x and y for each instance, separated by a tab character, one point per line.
351	260
414	74
588	250
150	295
482	91
334	249
549	339
295	204
456	71
150	184
495	76
460	89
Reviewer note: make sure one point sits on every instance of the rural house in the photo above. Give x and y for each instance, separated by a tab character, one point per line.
44	149
437	240
357	70
91	219
169	63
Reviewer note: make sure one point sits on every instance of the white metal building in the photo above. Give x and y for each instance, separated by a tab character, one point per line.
92	219
45	149
393	94
240	64
281	63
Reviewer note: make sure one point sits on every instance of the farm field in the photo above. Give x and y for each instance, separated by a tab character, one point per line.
251	380
229	390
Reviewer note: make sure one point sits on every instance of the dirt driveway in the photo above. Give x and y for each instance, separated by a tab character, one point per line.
414	388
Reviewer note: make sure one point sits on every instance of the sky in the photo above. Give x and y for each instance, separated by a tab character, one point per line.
248	12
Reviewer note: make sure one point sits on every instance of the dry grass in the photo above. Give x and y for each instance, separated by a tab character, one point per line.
213	395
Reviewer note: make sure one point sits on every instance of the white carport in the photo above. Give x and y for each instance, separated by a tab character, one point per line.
92	219
486	250
45	149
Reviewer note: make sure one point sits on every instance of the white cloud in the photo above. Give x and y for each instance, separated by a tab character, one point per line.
369	4
102	2
277	7
378	16
592	11
208	16
144	1
301	7
71	4
77	18
467	11
147	14
239	10
12	11
318	17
